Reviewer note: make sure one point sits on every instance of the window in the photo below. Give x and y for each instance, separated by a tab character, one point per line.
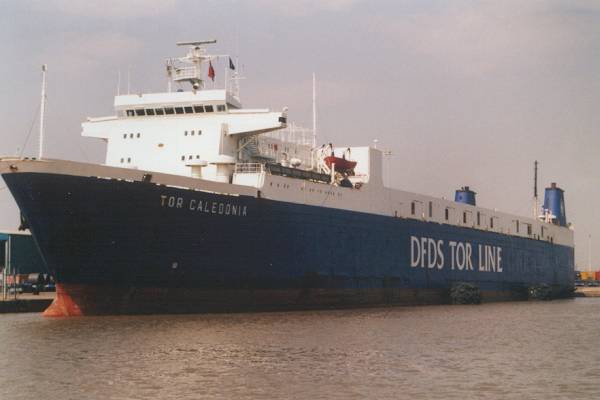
182	158
199	132
131	136
478	218
529	229
140	112
542	231
149	111
138	135
178	110
130	113
447	214
221	108
169	110
159	111
124	136
464	217
208	108
430	209
122	160
185	133
197	156
188	110
412	208
492	222
517	226
128	159
190	157
199	109
192	133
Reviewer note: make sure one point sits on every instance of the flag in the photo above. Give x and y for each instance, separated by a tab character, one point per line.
231	66
211	71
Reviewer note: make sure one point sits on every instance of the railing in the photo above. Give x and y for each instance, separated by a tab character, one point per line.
248	168
186	73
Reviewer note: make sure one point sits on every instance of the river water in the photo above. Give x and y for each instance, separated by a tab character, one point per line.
520	350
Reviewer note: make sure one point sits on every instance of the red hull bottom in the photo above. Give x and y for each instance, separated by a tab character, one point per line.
78	300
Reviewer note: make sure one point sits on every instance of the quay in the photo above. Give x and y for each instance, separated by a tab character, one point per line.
26	303
587	292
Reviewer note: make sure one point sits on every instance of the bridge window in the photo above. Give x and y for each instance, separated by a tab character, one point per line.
178	110
185	133
128	159
124	136
221	108
208	108
141	112
131	136
130	113
169	110
159	111
138	135
150	111
199	109
182	158
189	110
192	133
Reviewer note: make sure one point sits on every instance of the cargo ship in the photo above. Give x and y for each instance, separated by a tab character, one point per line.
204	205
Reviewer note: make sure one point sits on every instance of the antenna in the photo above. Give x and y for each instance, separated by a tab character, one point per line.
198	43
314	111
119	83
42	110
535	191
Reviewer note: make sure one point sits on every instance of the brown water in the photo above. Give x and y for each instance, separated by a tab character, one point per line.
535	350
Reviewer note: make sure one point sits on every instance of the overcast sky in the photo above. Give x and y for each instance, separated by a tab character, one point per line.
461	92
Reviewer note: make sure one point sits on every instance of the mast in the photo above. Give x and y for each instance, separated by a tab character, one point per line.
314	111
42	111
535	191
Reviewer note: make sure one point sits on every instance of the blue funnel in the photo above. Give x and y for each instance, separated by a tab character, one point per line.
554	203
465	195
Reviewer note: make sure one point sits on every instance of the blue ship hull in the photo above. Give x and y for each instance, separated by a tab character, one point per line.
134	247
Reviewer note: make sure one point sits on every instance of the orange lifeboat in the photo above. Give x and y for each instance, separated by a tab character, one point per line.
341	164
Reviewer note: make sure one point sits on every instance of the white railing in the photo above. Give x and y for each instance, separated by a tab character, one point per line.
185	73
248	168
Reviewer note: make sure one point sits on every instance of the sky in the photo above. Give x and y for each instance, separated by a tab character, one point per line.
461	92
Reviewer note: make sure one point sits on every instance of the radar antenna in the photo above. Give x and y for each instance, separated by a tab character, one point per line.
189	68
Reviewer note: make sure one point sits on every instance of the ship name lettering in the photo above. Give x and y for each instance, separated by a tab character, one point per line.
209	207
426	252
430	253
490	258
